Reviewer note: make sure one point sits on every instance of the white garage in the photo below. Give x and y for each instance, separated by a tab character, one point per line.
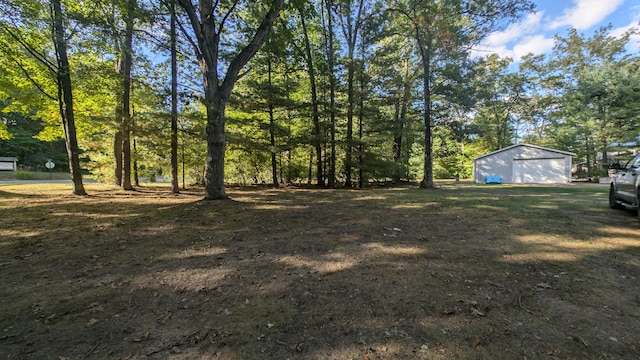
8	163
524	164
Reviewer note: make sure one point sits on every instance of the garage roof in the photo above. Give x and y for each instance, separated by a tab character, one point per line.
527	145
627	144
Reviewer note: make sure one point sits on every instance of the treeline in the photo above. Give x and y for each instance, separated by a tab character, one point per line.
328	92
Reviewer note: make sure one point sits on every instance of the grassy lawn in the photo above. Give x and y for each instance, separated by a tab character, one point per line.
462	271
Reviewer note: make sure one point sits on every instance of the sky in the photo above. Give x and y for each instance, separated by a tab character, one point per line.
534	33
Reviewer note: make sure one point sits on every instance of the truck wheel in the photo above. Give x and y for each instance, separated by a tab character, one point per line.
612	199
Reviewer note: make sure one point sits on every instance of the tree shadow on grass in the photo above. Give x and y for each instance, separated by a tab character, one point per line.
388	274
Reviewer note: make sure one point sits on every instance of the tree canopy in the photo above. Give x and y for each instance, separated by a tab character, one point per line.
326	92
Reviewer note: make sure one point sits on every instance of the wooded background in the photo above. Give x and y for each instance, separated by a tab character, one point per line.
340	93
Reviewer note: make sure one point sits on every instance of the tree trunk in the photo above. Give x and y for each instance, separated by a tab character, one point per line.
398	128
317	135
126	159
425	52
402	121
590	162
65	99
117	137
332	94
272	135
310	167
174	103
117	149
350	101
136	179
350	27
126	96
134	158
217	93
397	138
360	127
216	143
274	163
183	162
602	116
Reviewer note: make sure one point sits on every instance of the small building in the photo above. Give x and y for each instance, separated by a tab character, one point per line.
621	151
8	163
524	164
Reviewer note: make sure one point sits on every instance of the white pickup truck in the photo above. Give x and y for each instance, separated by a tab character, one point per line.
625	186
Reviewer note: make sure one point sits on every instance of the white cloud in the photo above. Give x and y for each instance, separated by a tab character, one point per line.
536	44
585	13
523	34
634	40
514	31
617	32
533	33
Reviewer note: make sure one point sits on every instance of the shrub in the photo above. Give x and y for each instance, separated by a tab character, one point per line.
25	175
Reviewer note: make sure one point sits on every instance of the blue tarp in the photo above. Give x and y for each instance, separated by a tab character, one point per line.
493	180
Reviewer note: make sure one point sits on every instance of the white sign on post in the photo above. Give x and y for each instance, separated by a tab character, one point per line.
50	165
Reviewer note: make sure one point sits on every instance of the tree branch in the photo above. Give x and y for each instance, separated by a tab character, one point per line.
195	23
33	81
39	57
26	73
226	16
248	51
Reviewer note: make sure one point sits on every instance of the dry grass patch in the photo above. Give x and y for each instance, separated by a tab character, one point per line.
461	271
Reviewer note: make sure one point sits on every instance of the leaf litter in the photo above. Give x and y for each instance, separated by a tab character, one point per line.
181	278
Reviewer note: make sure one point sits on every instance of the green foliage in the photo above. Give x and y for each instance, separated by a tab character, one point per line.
585	95
247	167
581	97
23	143
4	134
25	175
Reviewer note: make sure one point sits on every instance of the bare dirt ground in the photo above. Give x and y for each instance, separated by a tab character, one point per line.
458	272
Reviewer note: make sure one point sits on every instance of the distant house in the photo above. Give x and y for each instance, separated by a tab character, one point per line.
524	164
621	151
8	163
634	145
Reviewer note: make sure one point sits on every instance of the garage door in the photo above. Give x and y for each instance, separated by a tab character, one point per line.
534	171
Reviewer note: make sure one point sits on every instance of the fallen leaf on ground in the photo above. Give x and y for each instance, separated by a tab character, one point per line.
145	336
476	342
449	311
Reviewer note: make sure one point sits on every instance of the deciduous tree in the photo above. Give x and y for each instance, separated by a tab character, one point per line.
209	21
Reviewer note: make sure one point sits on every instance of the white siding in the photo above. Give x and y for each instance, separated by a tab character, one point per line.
496	165
539	171
524	164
